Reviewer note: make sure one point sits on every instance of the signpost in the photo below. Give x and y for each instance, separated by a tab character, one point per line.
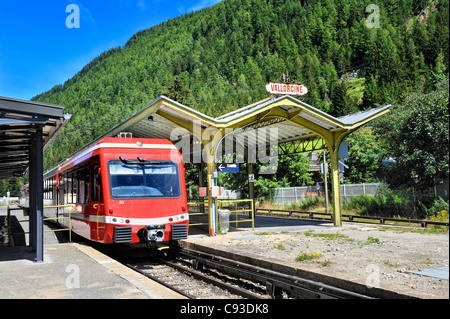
227	168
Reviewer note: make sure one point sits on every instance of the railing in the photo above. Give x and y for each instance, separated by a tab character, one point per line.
225	203
345	217
201	210
9	223
235	206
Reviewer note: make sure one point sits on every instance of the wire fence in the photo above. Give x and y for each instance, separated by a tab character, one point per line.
287	195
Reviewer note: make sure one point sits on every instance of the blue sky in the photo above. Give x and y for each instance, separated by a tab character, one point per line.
38	50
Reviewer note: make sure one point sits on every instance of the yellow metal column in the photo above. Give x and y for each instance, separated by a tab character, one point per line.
211	204
210	140
334	142
336	186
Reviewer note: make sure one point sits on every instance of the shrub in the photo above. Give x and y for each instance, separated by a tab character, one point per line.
385	204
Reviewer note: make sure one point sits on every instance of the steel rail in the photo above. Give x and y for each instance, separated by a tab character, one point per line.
181	292
200	276
197	275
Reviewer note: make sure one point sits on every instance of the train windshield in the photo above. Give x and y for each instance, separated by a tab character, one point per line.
130	180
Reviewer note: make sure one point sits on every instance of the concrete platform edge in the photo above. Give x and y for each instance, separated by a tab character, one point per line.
136	279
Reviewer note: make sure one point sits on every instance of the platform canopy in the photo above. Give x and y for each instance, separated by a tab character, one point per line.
19	120
26	129
291	121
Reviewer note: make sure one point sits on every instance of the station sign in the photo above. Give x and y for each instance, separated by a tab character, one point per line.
227	168
281	88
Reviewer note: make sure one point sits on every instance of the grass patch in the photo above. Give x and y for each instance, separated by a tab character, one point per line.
307	256
322	264
370	240
430	230
328	236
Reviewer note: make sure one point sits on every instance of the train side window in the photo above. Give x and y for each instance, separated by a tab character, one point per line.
54	189
73	190
96	184
87	181
83	185
66	189
75	187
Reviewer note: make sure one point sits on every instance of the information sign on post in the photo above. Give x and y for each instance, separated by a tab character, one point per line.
227	168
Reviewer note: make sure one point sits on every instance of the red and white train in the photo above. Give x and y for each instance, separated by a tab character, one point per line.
121	190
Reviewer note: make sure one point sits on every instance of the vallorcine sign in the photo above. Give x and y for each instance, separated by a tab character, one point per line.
292	89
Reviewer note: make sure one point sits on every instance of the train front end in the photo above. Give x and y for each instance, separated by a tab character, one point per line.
144	193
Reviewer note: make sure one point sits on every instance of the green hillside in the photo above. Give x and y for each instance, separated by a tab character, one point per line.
226	54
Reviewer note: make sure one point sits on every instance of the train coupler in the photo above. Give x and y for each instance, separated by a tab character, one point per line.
154	233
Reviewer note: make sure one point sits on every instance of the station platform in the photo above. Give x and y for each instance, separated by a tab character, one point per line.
355	253
69	271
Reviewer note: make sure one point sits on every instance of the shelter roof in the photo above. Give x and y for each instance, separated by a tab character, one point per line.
162	116
293	119
18	121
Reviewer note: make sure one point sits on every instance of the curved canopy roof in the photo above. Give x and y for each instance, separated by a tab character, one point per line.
293	119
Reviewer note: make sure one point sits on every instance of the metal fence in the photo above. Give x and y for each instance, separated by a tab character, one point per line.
287	195
351	190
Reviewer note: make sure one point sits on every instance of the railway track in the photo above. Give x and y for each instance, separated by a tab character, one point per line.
200	275
181	276
277	285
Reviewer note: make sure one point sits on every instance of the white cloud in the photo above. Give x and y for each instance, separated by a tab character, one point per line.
142	5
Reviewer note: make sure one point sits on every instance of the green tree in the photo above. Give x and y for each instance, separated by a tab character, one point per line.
416	134
365	155
339	99
372	96
177	92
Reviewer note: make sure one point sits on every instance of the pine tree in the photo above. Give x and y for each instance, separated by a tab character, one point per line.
371	97
339	99
177	92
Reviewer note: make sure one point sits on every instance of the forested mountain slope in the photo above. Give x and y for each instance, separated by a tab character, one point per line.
226	54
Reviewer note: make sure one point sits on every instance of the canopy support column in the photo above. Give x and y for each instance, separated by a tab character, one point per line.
336	187
36	201
210	140
334	142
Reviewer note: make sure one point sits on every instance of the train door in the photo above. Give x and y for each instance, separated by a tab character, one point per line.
97	217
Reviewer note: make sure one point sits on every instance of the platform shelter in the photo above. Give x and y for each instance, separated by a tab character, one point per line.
276	125
26	129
